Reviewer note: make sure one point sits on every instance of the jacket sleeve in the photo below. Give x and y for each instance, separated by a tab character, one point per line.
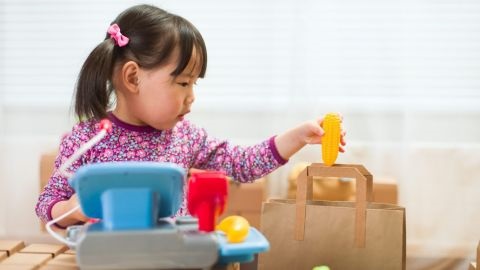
243	163
58	188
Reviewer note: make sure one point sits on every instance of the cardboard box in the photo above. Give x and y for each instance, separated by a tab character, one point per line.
26	260
53	250
11	246
47	163
385	190
246	196
245	199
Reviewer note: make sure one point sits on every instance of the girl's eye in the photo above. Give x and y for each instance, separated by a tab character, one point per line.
183	84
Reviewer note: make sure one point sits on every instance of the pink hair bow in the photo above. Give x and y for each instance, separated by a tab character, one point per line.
114	31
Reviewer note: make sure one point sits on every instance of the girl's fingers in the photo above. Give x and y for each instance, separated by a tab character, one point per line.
318	131
320	121
342	138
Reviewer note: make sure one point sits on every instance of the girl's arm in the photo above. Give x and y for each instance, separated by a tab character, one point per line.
62	207
296	138
248	163
58	197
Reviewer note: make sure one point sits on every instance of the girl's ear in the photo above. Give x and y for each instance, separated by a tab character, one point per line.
130	72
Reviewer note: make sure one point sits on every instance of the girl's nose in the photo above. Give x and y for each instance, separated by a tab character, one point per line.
190	99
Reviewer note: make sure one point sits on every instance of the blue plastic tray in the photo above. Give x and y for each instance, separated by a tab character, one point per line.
244	251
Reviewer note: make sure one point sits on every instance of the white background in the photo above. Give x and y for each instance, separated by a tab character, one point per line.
404	74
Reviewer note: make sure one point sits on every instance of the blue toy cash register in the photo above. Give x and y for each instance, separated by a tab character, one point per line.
135	203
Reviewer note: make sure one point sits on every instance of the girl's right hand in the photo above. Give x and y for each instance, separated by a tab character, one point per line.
63	207
79	215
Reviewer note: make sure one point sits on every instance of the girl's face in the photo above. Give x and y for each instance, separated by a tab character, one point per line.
162	99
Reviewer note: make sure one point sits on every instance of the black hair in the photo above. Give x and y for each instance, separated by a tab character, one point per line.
154	34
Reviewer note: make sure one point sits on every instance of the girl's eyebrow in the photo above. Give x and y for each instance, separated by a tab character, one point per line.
189	75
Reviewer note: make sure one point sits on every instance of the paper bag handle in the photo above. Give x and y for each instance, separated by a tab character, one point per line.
363	194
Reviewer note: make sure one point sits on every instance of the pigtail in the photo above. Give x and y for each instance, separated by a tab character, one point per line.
93	89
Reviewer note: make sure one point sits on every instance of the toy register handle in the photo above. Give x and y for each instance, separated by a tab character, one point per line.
206	198
363	194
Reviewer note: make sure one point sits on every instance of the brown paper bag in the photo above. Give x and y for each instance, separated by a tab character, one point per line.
342	235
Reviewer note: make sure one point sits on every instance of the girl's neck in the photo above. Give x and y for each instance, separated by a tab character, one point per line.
118	120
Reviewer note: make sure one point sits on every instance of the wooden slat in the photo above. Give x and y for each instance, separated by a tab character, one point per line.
28	260
54	250
3	255
70	251
11	246
62	261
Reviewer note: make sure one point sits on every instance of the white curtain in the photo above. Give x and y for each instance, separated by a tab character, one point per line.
405	75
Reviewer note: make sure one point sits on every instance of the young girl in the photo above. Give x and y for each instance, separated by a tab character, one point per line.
149	61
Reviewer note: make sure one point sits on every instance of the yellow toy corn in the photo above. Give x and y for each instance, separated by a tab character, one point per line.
331	138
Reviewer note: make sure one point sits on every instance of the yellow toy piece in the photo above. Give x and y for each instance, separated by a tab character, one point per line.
235	227
331	138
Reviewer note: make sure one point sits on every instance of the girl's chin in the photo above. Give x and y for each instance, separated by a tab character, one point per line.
174	123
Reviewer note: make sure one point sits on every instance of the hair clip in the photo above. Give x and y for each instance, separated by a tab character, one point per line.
114	31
